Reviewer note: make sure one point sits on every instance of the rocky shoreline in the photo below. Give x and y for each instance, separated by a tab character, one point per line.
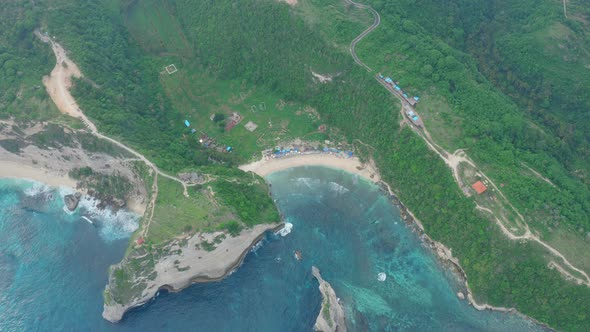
331	317
445	255
182	267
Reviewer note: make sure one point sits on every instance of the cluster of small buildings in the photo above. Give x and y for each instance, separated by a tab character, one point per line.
280	152
395	84
413	115
208	142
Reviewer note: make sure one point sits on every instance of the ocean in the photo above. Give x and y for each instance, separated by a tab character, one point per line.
53	267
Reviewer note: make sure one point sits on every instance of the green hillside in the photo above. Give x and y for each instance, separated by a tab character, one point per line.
482	70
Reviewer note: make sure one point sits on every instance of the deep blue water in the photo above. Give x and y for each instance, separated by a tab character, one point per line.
53	267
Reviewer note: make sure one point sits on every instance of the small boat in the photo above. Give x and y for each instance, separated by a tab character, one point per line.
298	255
88	219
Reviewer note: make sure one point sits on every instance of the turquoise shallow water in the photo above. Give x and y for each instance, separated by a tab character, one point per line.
53	267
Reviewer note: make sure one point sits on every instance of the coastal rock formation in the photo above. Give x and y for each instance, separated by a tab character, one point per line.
72	201
331	317
202	257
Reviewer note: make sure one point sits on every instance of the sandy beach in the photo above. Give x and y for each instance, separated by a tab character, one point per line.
14	169
353	165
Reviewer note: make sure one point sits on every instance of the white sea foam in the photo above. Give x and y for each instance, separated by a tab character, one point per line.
308	182
286	229
37	188
111	225
337	188
257	246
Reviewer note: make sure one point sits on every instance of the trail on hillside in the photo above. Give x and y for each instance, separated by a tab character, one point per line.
58	84
453	160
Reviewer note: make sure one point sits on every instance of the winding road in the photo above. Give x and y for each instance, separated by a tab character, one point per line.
375	24
453	160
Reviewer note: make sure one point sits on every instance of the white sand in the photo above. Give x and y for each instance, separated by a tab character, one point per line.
352	165
13	169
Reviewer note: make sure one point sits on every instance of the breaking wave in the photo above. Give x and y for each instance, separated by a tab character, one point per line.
337	188
308	182
111	225
36	189
285	230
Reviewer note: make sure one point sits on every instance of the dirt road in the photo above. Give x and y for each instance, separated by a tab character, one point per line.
453	160
58	84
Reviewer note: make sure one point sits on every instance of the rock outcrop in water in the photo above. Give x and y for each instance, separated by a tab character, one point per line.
202	257
331	317
72	201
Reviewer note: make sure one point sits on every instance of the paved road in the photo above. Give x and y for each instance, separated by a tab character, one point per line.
364	33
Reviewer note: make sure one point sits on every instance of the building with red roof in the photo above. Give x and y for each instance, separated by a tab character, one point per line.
479	187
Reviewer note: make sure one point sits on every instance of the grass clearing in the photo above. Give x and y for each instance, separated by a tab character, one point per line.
155	29
198	96
176	215
442	123
574	243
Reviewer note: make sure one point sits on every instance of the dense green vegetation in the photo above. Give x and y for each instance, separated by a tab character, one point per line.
23	62
231	202
411	46
249	199
500	271
107	186
274	48
530	50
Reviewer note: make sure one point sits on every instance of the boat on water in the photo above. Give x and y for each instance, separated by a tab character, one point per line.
298	255
88	219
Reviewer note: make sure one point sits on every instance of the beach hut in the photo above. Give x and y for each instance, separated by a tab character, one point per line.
380	76
389	80
415	118
228	149
416	98
397	88
186	123
405	95
193	130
